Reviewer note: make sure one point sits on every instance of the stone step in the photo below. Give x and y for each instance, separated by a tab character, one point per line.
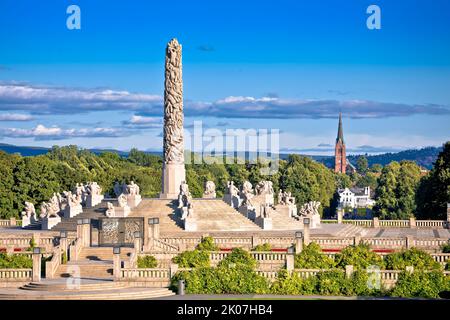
103	253
86	269
73	284
130	293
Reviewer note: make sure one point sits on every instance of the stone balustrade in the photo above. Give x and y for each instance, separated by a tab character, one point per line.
8	223
385	243
429	243
333	243
15	275
360	223
412	223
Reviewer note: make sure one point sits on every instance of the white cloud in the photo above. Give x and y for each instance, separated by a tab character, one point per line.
15	117
41	132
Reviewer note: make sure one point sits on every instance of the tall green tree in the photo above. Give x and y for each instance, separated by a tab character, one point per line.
434	190
396	190
362	164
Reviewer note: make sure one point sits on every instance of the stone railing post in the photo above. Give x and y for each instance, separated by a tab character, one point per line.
80	231
137	242
117	263
348	271
10	249
255	241
12	222
63	243
37	258
375	222
290	259
409	269
306	231
151	232
86	232
173	268
409	241
298	242
356	240
340	215
412	222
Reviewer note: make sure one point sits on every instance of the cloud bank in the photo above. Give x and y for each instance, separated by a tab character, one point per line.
36	100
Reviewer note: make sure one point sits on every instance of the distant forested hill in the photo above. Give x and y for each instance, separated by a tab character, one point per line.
423	157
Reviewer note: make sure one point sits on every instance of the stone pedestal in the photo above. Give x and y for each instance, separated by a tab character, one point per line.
92	200
72	211
133	200
264	223
209	195
48	223
117	265
340	215
173	175
121	212
190	224
27	221
375	223
290	262
412	222
232	201
298	245
248	212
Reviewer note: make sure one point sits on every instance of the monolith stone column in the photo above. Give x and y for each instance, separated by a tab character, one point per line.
173	166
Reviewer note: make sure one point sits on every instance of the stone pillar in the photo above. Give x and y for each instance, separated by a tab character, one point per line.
12	222
340	215
375	222
409	241
173	166
409	269
348	271
290	262
87	233
137	245
412	222
37	257
173	268
298	244
64	244
255	241
117	263
356	240
306	232
10	249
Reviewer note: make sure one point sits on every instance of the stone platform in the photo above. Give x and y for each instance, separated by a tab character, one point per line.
82	289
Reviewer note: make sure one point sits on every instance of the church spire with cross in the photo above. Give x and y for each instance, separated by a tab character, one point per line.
340	159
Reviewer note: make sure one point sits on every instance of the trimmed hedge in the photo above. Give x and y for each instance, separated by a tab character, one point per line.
312	257
147	262
420	284
15	261
360	257
417	258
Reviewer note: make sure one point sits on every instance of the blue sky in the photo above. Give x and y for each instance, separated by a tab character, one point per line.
288	65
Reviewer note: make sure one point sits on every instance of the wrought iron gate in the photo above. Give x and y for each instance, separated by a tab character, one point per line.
119	231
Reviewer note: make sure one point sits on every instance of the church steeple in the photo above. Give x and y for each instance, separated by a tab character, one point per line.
340	159
340	135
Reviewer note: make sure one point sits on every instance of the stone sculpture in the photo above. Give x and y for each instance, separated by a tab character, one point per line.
173	166
247	194
29	210
210	190
264	187
231	195
311	210
110	211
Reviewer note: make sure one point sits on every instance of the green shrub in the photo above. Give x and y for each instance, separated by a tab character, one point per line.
417	258
263	247
420	284
239	279
207	244
239	256
312	257
360	257
192	259
15	261
330	282
293	284
32	243
446	248
146	262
